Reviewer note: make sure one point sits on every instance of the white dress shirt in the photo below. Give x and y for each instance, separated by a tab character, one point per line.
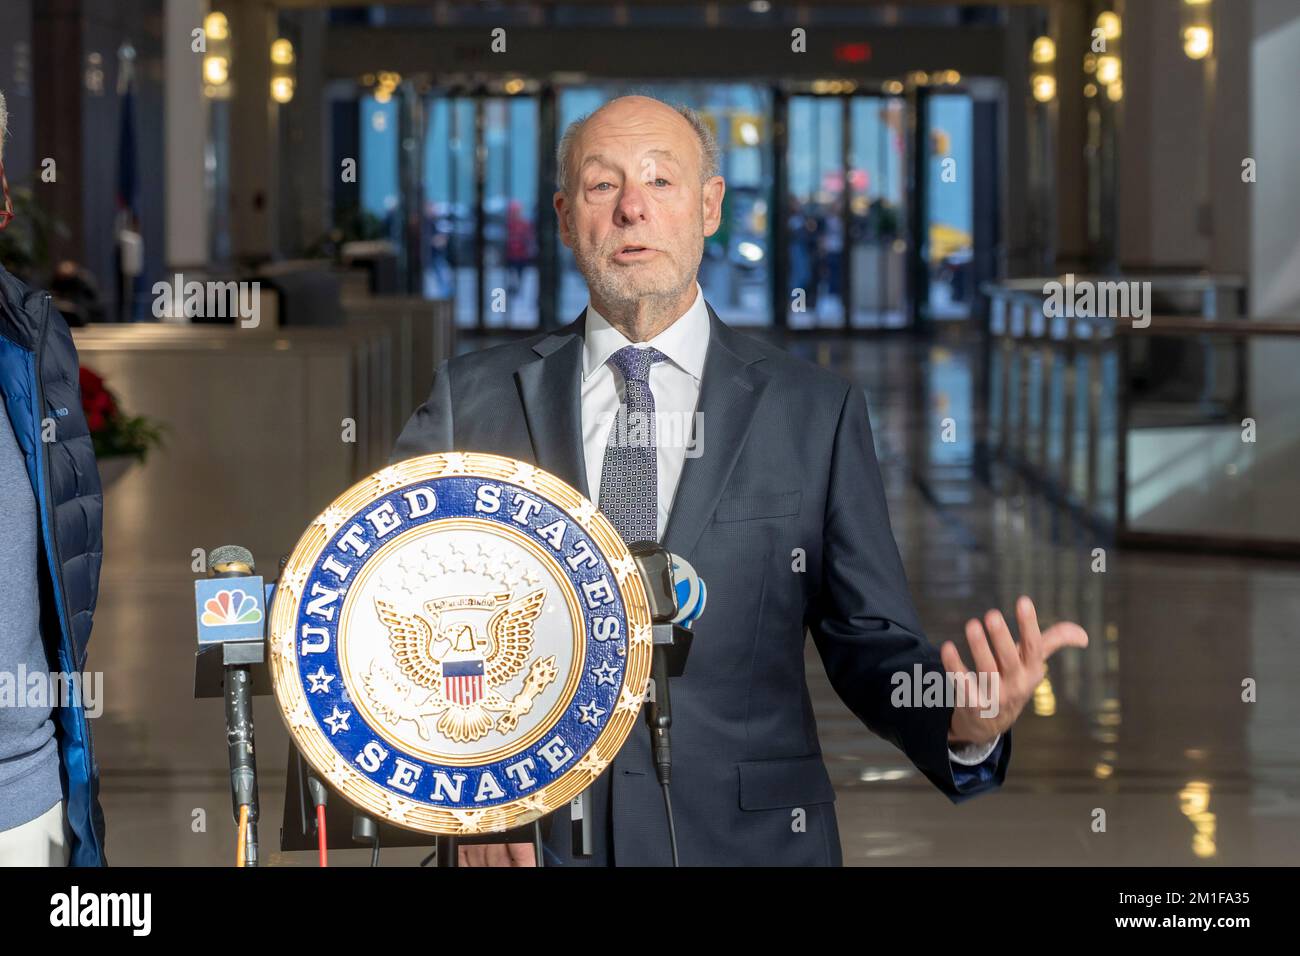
675	385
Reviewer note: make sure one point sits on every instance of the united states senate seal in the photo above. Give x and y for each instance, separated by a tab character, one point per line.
460	643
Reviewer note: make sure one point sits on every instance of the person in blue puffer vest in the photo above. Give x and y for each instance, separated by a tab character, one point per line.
51	547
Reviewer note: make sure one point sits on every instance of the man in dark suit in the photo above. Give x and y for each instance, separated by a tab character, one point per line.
759	469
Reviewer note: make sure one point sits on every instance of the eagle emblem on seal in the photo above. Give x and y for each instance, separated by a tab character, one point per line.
448	669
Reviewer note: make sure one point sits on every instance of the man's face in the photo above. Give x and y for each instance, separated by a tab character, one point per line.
637	213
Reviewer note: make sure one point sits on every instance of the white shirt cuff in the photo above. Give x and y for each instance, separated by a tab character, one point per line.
972	755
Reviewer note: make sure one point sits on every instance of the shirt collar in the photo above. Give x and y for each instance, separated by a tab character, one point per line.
684	342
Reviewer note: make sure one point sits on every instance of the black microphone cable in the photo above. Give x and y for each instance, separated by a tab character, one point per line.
672	829
660	715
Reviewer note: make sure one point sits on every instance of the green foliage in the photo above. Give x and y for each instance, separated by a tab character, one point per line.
131	436
25	244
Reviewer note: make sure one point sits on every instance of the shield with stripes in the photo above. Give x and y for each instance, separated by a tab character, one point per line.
463	680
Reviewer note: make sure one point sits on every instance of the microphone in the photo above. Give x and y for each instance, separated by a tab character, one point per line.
656	568
231	614
690	592
676	596
230	561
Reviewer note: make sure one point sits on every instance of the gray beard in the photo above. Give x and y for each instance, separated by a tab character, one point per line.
625	296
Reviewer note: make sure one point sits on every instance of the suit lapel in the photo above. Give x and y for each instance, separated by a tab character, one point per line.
551	391
730	388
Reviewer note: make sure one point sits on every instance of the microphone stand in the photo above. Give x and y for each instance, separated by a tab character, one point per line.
668	639
580	811
671	644
238	693
239	744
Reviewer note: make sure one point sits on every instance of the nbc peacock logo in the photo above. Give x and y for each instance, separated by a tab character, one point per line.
231	607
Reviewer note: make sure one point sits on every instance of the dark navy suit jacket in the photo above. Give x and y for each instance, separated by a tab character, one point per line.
787	463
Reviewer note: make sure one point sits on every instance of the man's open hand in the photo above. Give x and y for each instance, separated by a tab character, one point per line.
1012	670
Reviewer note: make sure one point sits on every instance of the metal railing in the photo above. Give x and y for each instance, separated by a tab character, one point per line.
1173	431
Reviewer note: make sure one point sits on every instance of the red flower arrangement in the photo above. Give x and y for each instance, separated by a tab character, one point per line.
115	433
96	401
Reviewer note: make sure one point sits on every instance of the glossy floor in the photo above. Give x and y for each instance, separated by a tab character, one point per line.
1147	729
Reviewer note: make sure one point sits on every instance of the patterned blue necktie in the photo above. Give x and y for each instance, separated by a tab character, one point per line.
629	480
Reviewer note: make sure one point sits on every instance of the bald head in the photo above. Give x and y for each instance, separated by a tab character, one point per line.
635	114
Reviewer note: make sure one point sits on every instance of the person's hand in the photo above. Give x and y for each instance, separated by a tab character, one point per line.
1007	673
497	854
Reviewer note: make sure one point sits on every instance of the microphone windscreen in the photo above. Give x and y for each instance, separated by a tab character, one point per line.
690	592
231	554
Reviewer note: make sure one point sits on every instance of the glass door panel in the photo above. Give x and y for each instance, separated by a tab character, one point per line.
510	295
815	212
449	205
878	251
949	217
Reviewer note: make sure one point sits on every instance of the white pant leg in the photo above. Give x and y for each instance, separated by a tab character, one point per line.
41	842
